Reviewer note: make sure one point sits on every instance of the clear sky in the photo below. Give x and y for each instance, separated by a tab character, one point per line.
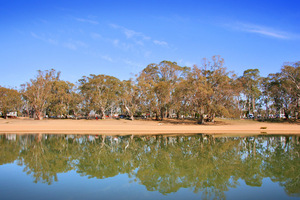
120	38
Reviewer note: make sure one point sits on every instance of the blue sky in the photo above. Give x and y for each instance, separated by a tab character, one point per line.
120	38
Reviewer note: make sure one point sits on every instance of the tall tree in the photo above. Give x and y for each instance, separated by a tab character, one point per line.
61	97
10	100
157	82
129	97
146	81
181	98
266	94
291	74
251	88
281	95
100	92
213	91
38	91
76	103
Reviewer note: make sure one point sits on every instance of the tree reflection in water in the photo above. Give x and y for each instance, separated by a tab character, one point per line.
206	163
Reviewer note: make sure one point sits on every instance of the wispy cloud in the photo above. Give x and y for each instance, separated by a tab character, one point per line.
44	38
161	43
87	21
114	42
261	30
98	55
139	38
134	65
130	33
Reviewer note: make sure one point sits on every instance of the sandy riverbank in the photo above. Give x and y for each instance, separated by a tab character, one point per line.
141	127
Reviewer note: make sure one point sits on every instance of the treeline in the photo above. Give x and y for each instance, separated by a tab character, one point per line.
163	90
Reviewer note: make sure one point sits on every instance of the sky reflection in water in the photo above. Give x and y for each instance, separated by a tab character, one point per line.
149	167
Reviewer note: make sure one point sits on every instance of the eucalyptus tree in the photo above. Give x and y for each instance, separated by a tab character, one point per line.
266	94
76	103
146	80
181	99
284	89
291	75
170	74
213	90
251	88
61	97
130	97
37	92
237	111
100	92
10	100
157	83
199	98
275	92
280	94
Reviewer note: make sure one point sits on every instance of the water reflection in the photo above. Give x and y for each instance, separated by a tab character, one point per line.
205	163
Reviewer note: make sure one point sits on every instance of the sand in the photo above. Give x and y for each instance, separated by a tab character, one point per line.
142	127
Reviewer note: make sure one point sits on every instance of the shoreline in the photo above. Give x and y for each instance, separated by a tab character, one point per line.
144	127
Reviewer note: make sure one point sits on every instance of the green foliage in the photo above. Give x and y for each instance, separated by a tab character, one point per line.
61	97
10	100
157	83
100	92
37	92
251	88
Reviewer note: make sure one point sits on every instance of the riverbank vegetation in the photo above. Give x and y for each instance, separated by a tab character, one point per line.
163	90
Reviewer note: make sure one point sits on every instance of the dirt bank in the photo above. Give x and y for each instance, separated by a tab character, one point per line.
141	127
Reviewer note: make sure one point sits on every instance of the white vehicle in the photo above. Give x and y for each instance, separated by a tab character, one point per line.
12	114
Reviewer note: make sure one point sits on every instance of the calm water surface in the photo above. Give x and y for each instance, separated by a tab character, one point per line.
45	166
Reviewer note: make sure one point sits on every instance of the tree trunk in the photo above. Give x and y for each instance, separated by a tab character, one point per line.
298	108
102	113
286	114
130	113
201	119
4	114
156	116
161	114
38	115
253	107
131	117
267	111
212	117
249	107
